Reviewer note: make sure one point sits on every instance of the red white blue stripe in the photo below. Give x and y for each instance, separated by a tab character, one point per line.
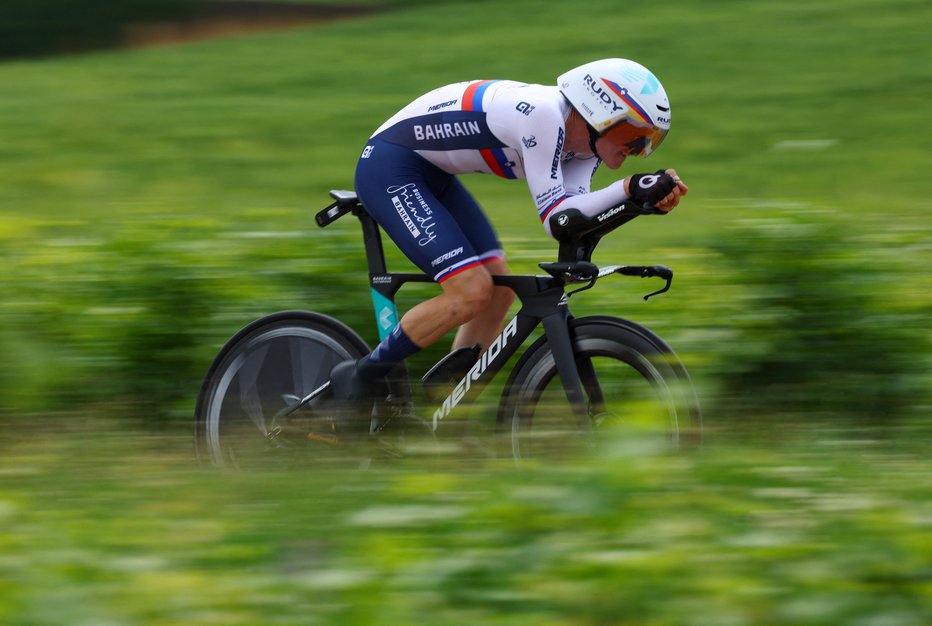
494	158
547	210
622	93
465	264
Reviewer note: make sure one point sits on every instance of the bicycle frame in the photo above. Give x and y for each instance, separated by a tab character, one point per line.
568	350
543	301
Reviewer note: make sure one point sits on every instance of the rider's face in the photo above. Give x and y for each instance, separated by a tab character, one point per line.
614	146
626	139
612	154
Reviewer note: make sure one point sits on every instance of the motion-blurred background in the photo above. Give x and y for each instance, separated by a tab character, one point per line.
157	188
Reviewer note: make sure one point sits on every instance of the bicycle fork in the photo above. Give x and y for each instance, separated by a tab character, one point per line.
556	327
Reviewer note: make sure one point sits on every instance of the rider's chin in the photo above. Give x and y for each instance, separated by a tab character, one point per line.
616	162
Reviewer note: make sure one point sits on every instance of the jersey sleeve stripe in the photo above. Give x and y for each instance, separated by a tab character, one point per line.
472	98
494	158
497	161
504	170
547	210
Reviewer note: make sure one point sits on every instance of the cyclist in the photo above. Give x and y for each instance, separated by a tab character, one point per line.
555	137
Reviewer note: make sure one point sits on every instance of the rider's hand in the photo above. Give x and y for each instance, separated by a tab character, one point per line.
662	189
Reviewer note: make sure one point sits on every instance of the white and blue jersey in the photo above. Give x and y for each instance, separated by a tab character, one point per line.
406	176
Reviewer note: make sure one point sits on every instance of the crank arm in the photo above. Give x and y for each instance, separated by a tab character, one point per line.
288	410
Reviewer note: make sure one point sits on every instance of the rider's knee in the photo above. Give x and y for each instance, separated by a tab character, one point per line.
478	296
471	292
503	297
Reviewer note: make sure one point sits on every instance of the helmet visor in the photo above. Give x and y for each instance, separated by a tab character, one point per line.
640	139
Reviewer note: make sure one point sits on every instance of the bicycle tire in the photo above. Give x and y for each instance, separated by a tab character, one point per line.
270	363
630	377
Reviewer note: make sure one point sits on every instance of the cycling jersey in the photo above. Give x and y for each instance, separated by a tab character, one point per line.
506	128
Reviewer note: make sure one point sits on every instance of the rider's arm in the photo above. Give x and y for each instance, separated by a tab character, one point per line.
556	185
592	203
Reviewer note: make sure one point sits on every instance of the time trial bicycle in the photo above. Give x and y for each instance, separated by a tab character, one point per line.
267	393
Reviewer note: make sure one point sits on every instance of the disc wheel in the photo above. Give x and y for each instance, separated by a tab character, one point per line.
245	411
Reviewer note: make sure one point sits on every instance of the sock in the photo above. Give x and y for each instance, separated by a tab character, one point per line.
393	349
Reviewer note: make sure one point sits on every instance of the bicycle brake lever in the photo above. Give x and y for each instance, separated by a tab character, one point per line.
649	271
588	285
659	271
660	291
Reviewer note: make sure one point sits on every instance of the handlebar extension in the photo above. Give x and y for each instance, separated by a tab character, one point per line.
579	234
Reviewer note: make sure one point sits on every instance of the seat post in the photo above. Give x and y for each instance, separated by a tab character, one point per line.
372	239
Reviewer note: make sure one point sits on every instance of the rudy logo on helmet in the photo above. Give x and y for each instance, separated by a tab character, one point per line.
613	92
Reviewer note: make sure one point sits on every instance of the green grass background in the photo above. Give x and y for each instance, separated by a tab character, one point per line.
154	201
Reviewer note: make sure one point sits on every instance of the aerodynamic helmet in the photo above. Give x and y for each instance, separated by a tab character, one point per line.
609	92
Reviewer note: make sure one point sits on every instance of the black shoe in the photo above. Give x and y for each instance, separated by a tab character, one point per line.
357	395
346	384
450	370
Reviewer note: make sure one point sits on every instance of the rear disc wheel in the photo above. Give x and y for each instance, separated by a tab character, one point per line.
244	411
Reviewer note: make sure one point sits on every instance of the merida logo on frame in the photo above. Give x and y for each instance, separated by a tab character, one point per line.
481	365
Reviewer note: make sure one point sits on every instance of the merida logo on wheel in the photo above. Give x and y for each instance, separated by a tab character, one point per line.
481	365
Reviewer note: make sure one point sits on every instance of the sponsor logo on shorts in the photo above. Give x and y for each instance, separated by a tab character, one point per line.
446	257
405	217
414	212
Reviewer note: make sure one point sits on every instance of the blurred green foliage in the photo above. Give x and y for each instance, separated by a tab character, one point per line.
104	525
820	325
155	201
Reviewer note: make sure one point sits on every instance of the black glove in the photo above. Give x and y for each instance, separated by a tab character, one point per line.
651	188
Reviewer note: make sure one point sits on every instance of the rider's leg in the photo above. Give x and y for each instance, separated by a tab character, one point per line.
466	296
440	228
487	324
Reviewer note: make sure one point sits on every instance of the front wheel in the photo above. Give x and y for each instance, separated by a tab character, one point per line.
632	381
267	367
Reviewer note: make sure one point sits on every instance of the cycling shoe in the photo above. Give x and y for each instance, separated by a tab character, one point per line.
357	394
450	370
345	382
